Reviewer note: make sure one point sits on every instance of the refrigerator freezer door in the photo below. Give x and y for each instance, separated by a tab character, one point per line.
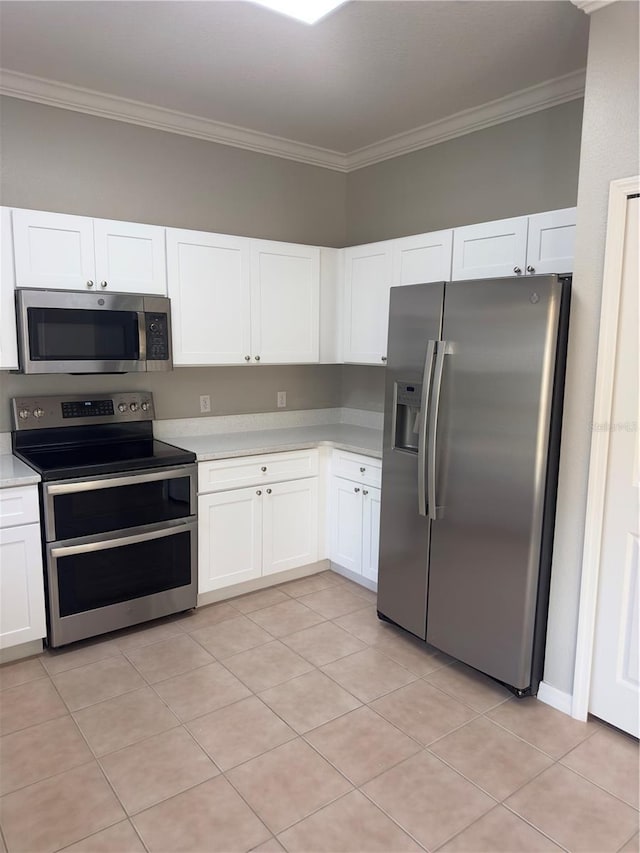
415	318
491	444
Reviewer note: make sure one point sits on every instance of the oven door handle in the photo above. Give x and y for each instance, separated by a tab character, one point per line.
115	482
120	541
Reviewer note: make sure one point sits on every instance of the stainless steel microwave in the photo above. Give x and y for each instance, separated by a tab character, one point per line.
68	331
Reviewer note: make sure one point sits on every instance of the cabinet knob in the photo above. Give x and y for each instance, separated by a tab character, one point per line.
247	358
257	358
356	490
517	270
258	493
264	468
365	492
384	358
103	284
268	491
531	269
89	284
362	470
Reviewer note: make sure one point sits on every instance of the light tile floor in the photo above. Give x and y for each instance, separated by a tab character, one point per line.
292	718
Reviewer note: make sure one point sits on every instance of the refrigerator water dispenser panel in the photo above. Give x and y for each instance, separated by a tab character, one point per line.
406	416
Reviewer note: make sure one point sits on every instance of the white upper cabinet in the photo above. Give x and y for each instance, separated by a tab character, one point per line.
58	251
367	281
422	258
550	245
130	257
490	250
285	302
53	250
8	341
209	287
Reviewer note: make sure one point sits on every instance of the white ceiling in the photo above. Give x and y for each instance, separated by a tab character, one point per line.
370	70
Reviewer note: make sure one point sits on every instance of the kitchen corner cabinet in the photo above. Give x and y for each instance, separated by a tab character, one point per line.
60	251
8	337
354	516
22	613
367	281
248	531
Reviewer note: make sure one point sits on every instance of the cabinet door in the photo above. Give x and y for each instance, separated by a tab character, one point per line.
285	302
367	281
208	277
8	341
53	250
130	257
422	258
290	525
229	538
346	524
370	533
490	250
550	244
22	616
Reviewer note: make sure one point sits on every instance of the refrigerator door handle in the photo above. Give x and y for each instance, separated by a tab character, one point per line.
422	427
443	349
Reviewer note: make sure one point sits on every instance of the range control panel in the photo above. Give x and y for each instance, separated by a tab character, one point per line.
75	409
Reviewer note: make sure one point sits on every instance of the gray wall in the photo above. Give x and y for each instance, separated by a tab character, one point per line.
524	166
54	159
362	387
609	151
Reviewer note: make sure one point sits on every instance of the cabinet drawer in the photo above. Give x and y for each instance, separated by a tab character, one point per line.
364	469
255	470
19	505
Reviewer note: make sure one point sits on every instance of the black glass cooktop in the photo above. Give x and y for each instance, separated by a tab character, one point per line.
66	453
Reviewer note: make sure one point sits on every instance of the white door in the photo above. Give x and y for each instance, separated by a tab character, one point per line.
209	287
130	257
8	343
615	677
422	258
53	250
229	538
290	525
285	302
490	250
22	617
370	533
367	281
346	524
550	243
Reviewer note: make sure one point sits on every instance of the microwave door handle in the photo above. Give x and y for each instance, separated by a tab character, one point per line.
432	450
142	336
422	427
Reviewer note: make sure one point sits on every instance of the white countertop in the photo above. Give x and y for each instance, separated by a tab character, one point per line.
249	443
14	472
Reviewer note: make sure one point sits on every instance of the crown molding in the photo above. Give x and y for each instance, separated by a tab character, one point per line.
67	97
569	87
590	6
64	96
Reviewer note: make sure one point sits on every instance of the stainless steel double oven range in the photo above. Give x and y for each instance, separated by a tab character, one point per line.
118	512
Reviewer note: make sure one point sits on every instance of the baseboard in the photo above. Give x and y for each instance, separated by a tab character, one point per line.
232	591
24	650
352	576
558	699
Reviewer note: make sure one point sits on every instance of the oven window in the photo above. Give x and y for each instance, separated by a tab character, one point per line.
72	334
121	507
100	578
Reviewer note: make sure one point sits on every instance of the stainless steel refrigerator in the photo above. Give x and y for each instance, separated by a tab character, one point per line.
474	387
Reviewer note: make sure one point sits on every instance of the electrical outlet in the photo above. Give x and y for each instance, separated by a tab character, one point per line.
282	399
205	403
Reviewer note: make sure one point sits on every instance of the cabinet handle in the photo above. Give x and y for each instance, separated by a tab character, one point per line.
247	358
258	493
362	470
103	284
268	491
384	358
89	284
356	490
264	468
257	358
517	270
365	492
531	269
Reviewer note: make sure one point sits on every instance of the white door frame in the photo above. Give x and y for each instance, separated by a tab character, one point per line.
611	286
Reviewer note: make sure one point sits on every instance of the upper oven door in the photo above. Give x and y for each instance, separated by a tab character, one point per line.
87	507
70	332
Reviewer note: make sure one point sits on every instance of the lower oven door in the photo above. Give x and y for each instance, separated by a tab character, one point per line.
106	582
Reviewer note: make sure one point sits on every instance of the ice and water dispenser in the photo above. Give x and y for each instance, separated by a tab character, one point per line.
407	416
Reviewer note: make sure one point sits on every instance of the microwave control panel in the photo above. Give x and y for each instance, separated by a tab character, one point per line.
157	330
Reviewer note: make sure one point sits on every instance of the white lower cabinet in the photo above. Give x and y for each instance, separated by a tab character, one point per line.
22	613
289	525
370	533
346	515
